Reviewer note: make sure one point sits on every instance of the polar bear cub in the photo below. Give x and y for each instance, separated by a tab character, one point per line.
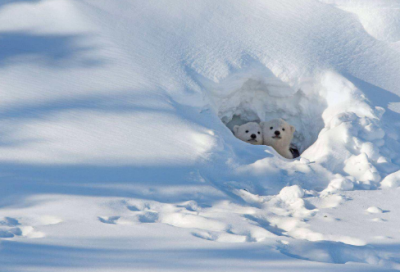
249	133
278	134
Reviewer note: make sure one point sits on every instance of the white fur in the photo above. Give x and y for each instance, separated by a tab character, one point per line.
281	142
245	132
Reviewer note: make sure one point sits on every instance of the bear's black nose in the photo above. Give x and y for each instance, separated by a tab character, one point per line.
277	133
253	136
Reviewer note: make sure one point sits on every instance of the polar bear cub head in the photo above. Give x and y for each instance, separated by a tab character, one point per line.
249	133
278	134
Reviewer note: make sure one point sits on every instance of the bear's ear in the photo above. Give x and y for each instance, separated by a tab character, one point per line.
292	129
235	129
262	125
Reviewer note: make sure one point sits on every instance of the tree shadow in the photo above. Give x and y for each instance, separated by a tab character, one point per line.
25	255
17	256
116	101
53	50
22	179
158	183
7	2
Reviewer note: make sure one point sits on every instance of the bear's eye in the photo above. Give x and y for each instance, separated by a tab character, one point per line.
283	129
271	128
258	132
247	131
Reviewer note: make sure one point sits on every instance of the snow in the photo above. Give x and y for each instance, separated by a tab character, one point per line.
379	18
391	181
116	143
291	193
374	209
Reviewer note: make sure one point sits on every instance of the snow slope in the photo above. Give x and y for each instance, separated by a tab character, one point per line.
116	153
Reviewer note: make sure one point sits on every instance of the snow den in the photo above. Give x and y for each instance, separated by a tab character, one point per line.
262	98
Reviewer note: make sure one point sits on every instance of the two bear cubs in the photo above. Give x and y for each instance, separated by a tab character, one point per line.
275	133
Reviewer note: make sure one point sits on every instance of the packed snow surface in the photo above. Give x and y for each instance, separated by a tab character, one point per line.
116	147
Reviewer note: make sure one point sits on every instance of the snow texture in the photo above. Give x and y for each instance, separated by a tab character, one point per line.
116	143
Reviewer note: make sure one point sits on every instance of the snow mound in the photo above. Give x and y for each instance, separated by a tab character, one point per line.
381	19
374	209
291	194
391	181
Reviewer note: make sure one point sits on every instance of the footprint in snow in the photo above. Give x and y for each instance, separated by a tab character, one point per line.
190	206
9	221
378	220
11	227
139	207
145	217
8	228
133	208
223	237
109	220
148	217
